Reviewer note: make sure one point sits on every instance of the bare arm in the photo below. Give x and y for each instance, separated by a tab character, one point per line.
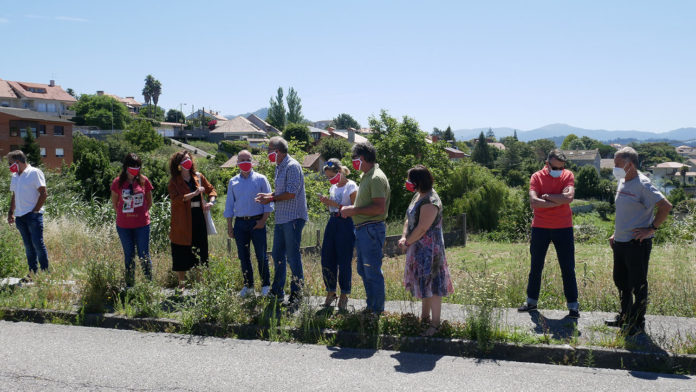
42	199
427	216
536	202
377	207
10	213
663	209
564	198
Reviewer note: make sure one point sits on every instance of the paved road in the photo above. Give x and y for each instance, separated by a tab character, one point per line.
37	357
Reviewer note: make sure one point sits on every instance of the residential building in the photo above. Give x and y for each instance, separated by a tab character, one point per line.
323	124
45	98
207	113
686	151
455	154
584	158
606	164
313	162
52	133
667	169
170	129
263	125
130	102
238	128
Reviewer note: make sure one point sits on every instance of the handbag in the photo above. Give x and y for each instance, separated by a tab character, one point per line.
209	224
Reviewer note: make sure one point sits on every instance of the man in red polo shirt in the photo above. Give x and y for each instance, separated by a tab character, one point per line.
551	190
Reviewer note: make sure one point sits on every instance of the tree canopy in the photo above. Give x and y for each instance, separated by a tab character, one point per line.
276	111
344	121
294	107
101	111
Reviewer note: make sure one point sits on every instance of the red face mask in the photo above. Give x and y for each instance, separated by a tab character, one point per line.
335	179
357	163
244	166
187	164
272	156
133	171
14	168
410	187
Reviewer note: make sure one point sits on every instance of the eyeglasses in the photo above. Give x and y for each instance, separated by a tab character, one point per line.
556	168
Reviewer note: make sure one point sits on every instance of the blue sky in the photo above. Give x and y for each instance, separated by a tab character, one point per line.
468	64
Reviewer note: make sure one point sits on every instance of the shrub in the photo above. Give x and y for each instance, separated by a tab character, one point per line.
101	286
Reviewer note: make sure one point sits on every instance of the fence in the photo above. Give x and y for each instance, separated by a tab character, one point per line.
456	236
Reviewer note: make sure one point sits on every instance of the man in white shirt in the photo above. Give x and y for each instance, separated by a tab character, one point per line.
28	188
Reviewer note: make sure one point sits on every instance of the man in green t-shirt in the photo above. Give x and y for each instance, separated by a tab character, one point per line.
369	213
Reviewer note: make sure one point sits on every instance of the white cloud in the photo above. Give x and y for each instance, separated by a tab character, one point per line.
71	19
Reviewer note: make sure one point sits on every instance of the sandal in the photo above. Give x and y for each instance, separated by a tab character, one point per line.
330	298
343	303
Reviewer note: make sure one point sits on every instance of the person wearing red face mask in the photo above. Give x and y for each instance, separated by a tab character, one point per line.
249	222
188	232
339	235
369	215
131	196
426	274
28	187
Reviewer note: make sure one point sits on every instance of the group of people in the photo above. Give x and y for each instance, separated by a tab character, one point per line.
357	216
552	189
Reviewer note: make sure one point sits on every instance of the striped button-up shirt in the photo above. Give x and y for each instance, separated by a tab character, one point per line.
241	193
290	179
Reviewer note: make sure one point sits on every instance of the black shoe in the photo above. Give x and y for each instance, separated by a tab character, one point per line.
526	308
614	322
574	314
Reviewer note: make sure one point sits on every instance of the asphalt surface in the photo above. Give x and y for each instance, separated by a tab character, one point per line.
38	357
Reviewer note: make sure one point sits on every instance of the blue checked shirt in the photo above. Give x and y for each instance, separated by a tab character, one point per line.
290	179
241	193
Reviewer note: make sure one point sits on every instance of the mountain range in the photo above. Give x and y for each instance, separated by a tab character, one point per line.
556	131
261	113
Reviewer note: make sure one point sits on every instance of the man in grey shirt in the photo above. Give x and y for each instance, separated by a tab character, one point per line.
631	242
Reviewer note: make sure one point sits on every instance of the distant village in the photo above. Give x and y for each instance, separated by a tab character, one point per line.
45	110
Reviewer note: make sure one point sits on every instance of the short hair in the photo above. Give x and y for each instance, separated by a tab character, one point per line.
557	154
17	155
628	153
421	177
130	160
278	143
365	150
245	151
335	166
175	161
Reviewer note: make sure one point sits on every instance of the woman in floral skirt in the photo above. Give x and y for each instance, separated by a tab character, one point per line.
426	274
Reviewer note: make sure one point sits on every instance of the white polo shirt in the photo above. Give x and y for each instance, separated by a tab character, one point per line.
26	189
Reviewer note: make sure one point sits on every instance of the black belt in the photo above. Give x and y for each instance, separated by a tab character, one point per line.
367	223
255	217
335	214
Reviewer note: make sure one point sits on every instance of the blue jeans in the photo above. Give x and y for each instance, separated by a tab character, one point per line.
30	226
286	248
244	235
130	239
565	250
369	241
337	253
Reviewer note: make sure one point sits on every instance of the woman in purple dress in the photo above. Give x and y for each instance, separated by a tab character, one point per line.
426	274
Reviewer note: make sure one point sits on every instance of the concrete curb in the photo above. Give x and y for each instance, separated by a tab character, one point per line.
587	356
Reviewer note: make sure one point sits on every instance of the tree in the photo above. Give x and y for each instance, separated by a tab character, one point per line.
587	183
152	112
448	134
332	147
676	195
176	116
577	144
400	146
542	147
92	167
490	134
31	148
233	147
156	92
294	107
276	111
651	154
71	92
514	135
299	133
568	139
344	121
482	153
152	90
102	111
143	135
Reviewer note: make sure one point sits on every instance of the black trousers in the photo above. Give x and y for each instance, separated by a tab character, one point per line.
631	278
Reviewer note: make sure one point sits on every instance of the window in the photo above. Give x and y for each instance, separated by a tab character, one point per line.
59	153
14	130
58	130
42	129
51	107
26	105
40	107
14	147
43	152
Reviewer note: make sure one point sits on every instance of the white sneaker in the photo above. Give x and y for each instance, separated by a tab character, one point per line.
265	290
247	292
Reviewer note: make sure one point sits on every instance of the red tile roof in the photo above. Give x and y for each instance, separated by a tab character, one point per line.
6	90
43	91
